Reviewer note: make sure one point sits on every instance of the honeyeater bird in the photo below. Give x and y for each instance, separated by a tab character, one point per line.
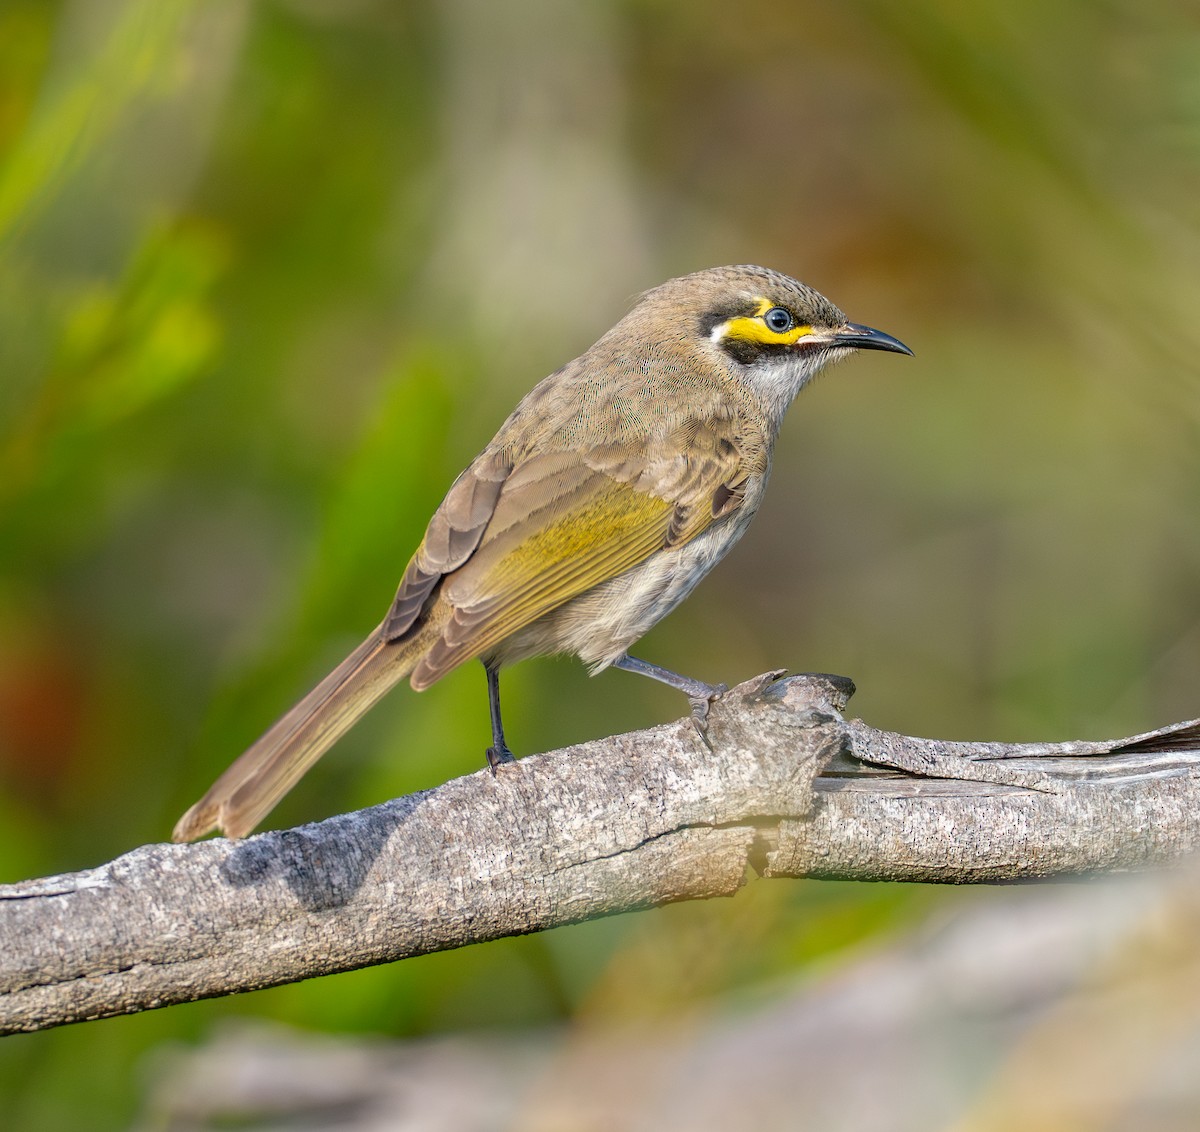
614	486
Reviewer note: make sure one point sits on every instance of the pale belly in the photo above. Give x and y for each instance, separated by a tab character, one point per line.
600	625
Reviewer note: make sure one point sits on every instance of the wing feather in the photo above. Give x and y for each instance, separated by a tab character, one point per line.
517	537
450	539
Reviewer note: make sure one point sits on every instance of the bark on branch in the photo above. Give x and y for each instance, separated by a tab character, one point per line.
609	826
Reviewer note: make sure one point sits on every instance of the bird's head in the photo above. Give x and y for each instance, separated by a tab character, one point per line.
765	329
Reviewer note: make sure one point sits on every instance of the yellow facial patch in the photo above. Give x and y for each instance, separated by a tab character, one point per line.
753	328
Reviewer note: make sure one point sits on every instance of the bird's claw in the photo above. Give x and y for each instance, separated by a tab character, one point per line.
497	755
700	709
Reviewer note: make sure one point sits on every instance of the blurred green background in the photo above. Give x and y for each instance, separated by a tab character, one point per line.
271	273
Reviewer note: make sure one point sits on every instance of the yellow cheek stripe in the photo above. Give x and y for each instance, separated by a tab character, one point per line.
751	328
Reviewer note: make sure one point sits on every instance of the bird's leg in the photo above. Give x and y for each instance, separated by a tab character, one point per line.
700	695
498	752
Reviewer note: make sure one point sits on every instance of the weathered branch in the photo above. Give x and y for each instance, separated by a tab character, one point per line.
609	826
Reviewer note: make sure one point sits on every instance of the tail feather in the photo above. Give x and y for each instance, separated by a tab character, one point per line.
255	783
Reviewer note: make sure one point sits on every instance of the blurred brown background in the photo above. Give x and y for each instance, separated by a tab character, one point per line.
271	273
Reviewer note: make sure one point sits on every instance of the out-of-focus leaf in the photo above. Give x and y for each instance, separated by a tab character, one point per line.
122	350
76	114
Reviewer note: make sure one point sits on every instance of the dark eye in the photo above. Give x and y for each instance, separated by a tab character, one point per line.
779	320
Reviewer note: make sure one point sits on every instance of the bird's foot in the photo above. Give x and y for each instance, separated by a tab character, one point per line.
700	695
702	701
497	755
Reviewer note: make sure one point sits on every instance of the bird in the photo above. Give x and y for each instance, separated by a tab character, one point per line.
615	485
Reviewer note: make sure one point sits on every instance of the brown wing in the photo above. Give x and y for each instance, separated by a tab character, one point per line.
451	537
508	550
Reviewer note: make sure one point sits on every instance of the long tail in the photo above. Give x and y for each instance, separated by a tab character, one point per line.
255	783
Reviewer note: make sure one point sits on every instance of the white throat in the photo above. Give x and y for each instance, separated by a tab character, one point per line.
776	382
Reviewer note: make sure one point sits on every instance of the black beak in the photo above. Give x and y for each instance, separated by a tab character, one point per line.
860	337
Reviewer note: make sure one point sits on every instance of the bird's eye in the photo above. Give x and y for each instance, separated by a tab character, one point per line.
779	320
